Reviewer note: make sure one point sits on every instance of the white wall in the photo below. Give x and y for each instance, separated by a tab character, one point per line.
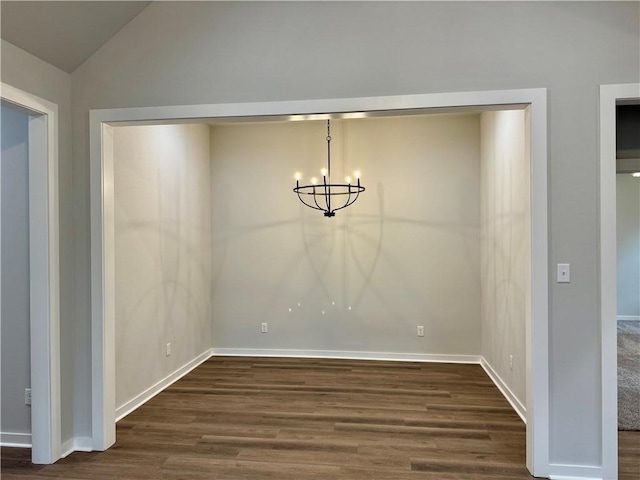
505	245
30	74
162	198
16	362
628	246
405	254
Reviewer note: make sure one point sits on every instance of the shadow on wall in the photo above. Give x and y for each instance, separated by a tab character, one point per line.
339	270
162	252
407	253
173	290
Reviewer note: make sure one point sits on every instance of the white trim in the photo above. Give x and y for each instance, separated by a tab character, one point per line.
537	328
311	107
76	444
345	355
68	448
576	472
124	410
504	389
572	477
17	440
83	444
101	186
44	272
609	94
628	318
103	376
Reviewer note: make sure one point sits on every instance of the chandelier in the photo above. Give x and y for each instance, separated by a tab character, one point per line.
328	197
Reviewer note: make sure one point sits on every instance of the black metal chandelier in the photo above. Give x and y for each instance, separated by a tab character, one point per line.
328	197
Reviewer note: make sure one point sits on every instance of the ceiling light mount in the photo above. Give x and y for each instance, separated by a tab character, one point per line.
328	197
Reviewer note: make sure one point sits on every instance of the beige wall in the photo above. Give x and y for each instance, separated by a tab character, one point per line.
628	243
505	245
405	254
162	252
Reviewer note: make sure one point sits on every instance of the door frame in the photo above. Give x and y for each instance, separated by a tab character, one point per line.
44	271
609	96
102	234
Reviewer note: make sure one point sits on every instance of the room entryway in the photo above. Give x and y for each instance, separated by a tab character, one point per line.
619	270
16	350
30	276
531	359
628	277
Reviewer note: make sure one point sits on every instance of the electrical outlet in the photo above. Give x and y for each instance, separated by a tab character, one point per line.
27	396
511	362
168	349
420	331
265	327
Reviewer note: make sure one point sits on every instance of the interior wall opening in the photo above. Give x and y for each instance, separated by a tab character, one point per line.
31	413
16	330
103	123
211	242
628	273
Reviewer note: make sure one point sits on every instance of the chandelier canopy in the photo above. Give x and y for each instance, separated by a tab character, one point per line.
328	197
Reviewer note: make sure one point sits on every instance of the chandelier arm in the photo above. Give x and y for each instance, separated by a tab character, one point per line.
349	202
327	196
358	191
308	204
315	199
346	204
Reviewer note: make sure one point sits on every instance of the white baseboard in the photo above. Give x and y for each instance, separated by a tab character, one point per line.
67	448
575	472
152	391
85	444
505	390
19	440
345	355
77	444
629	318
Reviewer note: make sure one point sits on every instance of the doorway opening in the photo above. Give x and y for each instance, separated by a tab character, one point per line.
38	272
610	97
104	122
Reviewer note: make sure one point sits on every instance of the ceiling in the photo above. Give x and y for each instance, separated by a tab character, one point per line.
64	34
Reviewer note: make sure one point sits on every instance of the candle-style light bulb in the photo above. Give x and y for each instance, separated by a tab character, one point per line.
348	180
314	180
357	174
323	172
298	176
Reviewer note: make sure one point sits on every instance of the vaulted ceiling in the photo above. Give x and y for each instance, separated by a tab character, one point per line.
64	34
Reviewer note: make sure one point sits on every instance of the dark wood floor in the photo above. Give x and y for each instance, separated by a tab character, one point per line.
295	419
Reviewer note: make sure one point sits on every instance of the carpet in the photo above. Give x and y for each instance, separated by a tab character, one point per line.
628	375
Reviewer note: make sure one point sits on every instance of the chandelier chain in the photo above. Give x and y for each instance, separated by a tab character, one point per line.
329	149
328	197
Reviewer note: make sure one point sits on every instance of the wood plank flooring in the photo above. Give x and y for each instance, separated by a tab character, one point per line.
301	419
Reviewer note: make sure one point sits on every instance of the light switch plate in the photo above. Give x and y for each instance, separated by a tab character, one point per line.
564	273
